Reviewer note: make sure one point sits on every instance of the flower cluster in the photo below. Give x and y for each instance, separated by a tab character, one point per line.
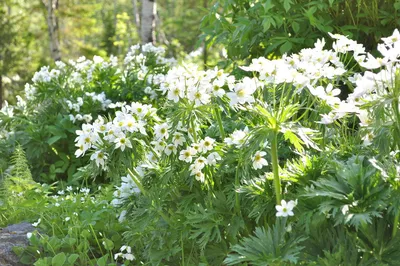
194	85
129	122
75	106
200	155
127	255
127	189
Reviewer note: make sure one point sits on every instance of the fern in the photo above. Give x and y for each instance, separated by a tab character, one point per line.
20	178
267	247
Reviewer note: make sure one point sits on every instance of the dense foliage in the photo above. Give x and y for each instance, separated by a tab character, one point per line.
260	28
270	166
288	159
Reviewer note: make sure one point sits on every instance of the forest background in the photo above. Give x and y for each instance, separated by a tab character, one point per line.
39	32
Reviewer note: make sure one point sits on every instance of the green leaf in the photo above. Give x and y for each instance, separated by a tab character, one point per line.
108	244
286	47
294	140
266	24
295	26
266	247
72	258
287	4
268	5
59	259
102	261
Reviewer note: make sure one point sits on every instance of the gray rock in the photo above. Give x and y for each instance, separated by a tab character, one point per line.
13	235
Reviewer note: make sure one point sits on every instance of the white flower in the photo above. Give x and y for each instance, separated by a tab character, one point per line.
212	158
395	38
175	93
186	155
242	92
36	223
67	219
237	137
178	139
170	149
199	96
99	157
200	163
328	118
121	142
199	176
285	209
206	144
161	131
29	235
258	160
121	217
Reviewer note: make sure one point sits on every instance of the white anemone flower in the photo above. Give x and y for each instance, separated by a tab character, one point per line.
186	155
212	158
258	160
161	131
242	92
121	142
285	209
99	157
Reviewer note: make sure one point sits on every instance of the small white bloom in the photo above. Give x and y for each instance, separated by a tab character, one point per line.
285	209
170	149
186	155
37	223
99	157
161	131
206	145
258	160
212	158
121	142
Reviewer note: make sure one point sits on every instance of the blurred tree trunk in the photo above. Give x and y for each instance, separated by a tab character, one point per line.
205	54
148	22
136	16
1	91
52	26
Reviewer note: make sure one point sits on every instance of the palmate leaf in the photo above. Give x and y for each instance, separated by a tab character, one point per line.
354	196
205	226
294	140
266	247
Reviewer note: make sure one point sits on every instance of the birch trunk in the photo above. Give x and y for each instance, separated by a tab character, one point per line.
148	22
1	91
136	16
52	25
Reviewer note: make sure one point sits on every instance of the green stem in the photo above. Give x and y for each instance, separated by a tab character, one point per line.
397	114
275	167
219	120
97	240
395	224
193	130
134	174
237	183
323	137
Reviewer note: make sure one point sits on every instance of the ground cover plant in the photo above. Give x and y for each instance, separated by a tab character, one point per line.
270	164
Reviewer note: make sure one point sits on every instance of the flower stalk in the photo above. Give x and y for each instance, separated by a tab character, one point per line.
219	120
395	224
275	167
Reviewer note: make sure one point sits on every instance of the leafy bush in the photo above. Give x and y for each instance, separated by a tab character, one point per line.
271	166
253	29
61	98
